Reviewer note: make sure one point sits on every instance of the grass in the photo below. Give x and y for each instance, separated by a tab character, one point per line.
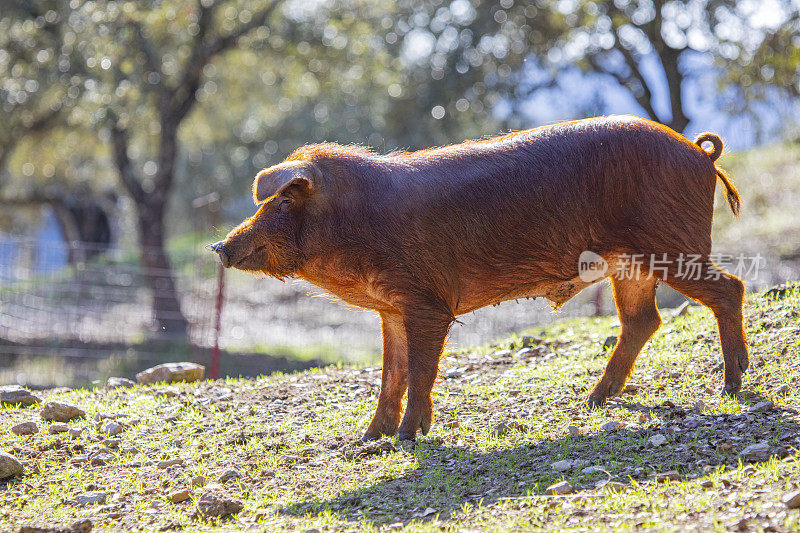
502	419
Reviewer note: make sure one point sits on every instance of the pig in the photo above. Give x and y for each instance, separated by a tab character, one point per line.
422	237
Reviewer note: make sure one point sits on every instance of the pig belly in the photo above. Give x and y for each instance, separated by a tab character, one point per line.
557	292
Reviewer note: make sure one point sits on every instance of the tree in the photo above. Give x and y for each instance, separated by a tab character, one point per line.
139	66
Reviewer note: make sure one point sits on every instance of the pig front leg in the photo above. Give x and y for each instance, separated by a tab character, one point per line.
426	336
394	379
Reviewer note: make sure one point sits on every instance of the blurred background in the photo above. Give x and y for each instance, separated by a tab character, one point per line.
130	132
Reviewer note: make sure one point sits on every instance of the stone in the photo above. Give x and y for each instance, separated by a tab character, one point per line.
616	486
17	395
574	431
699	406
783	389
25	428
531	340
58	427
75	432
755	451
9	466
229	474
198	481
562	487
119	383
631	387
504	428
568	464
180	496
792	499
172	373
672	475
91	497
102	458
213	503
61	412
657	440
762	407
610	342
170	462
111	428
612	426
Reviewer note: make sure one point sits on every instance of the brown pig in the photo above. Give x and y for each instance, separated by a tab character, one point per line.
425	236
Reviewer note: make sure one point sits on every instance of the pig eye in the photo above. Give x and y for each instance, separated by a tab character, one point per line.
285	203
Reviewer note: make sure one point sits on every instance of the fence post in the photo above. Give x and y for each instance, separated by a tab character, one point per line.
214	372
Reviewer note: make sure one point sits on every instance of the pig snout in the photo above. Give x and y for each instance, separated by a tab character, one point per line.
219	248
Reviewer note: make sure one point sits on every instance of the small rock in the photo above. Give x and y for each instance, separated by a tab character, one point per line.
229	474
25	428
58	427
91	497
616	486
172	373
612	426
762	407
170	462
75	432
504	428
792	499
453	424
562	487
574	431
699	406
452	373
644	418
783	389
568	464
755	451
672	475
531	340
631	387
111	428
119	383
610	342
61	412
214	503
198	481
9	466
102	458
180	496
657	440
16	395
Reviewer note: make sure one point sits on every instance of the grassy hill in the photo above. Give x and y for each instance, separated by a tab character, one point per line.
670	459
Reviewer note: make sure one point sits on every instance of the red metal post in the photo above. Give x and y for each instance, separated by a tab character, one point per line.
214	371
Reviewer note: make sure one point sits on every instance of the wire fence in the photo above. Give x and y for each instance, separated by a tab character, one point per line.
99	313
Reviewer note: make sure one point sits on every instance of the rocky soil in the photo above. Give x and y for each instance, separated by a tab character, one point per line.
512	447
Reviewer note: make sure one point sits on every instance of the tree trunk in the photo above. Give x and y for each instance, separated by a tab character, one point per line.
167	313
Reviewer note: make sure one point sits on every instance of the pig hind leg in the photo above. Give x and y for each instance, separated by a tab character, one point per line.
639	319
723	293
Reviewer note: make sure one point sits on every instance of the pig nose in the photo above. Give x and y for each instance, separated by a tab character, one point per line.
220	249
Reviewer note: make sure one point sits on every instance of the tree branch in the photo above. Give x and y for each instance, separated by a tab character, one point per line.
119	143
183	96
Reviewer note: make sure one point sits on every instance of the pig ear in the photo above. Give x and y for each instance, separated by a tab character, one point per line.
274	180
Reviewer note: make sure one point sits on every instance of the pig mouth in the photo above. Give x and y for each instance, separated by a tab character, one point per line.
241	264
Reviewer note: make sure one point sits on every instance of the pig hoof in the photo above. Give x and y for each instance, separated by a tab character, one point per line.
731	390
596	402
407	435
